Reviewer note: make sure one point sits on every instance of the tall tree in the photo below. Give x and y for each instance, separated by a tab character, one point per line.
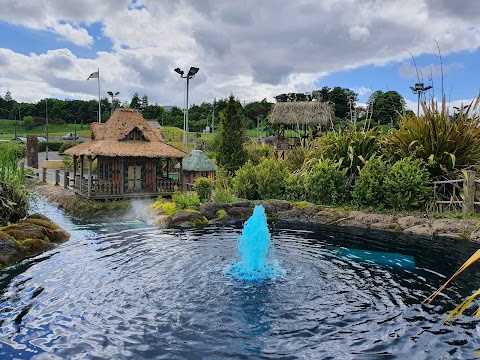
342	98
136	102
231	154
386	106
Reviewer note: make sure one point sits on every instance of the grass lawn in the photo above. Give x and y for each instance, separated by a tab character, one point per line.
55	132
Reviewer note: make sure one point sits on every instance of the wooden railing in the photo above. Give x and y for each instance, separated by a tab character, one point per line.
465	188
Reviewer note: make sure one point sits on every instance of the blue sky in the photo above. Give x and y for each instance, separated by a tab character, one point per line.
252	49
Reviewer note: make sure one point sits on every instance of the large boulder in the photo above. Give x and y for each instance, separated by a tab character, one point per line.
185	218
10	251
209	210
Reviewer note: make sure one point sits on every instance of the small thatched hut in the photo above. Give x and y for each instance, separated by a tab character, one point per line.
300	117
195	166
309	113
132	159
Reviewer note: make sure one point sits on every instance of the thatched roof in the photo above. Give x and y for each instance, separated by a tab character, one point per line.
197	161
302	112
111	139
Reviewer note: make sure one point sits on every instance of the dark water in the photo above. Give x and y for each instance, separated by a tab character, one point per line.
131	291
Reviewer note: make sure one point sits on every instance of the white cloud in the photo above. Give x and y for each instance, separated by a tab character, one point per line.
253	49
358	33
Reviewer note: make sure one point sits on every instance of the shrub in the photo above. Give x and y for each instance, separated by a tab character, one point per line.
223	196
325	183
370	189
408	184
28	122
295	186
256	153
65	146
203	187
271	178
14	203
186	200
245	181
52	145
13	149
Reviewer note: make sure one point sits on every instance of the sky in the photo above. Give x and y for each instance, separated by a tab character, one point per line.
252	49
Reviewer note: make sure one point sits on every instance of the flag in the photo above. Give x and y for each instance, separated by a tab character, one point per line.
93	75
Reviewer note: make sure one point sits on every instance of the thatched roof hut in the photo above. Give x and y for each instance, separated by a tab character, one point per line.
114	138
316	113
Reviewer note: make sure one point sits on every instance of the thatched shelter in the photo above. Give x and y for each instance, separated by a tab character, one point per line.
197	165
131	159
315	113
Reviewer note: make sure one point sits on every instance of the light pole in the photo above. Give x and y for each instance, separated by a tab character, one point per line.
46	128
112	94
213	116
419	89
190	75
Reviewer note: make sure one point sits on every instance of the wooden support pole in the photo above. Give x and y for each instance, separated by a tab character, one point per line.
468	191
66	179
44	174
89	191
57	177
180	175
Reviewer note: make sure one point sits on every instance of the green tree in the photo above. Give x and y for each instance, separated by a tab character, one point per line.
343	99
231	154
386	106
136	102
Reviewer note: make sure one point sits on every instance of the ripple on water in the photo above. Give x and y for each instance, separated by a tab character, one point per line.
128	290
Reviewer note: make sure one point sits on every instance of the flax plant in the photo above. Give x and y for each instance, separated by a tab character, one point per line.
445	143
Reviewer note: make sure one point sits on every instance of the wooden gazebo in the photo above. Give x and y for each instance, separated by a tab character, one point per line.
299	117
132	159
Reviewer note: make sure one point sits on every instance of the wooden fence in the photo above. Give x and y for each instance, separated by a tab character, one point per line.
466	187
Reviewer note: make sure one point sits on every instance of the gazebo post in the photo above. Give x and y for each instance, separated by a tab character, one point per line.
122	175
82	157
74	171
89	176
168	167
180	175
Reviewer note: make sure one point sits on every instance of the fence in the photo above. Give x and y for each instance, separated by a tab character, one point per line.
466	198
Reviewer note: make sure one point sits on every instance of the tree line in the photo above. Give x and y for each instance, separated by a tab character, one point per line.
384	108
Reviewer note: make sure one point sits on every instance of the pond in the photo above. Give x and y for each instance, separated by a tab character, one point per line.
127	290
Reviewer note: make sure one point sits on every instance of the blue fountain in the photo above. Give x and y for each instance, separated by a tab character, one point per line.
255	252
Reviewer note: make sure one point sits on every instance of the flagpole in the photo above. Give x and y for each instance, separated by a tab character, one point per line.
99	108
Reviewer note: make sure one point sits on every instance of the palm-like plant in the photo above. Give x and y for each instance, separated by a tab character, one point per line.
444	143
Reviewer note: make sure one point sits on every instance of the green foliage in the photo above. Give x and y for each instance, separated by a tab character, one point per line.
401	186
203	187
256	153
246	182
271	178
325	183
89	209
295	186
266	180
370	189
28	122
223	196
14	149
408	182
65	146
221	213
186	200
351	148
442	143
387	106
231	154
14	203
52	145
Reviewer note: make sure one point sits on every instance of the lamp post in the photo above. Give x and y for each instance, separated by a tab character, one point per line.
190	75
419	89
46	128
112	94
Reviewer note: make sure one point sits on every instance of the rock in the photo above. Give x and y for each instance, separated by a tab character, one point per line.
240	213
406	222
244	203
191	217
330	216
421	229
10	251
449	227
274	206
209	210
163	220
